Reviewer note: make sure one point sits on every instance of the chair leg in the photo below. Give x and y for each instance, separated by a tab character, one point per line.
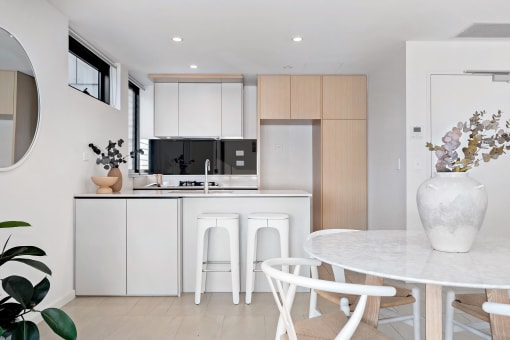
234	263
199	264
344	306
448	327
206	255
416	313
251	249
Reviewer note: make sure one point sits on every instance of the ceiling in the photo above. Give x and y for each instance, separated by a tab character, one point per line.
253	37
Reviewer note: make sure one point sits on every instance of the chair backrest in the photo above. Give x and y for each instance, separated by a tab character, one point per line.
283	286
496	308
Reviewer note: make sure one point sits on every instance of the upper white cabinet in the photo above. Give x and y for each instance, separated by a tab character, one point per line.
198	109
232	110
166	109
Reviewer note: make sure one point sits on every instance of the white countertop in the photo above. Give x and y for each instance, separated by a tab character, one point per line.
197	193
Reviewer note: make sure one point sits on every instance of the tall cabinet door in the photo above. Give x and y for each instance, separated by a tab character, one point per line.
152	247
100	246
344	174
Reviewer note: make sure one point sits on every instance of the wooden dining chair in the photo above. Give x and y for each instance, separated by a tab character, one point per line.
347	303
334	325
470	304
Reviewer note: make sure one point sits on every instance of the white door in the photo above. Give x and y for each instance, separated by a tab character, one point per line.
454	98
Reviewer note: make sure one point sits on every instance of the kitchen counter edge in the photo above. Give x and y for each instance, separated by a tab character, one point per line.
194	194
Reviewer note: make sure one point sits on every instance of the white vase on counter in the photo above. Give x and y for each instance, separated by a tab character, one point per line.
452	207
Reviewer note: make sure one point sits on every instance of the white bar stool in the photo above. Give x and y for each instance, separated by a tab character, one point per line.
256	221
230	222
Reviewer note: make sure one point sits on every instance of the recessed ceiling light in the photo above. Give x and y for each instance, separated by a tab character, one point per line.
193	66
177	39
297	39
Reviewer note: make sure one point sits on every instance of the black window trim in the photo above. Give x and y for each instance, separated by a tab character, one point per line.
83	53
136	125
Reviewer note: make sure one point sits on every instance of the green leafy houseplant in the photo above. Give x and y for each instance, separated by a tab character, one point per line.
484	134
112	157
22	297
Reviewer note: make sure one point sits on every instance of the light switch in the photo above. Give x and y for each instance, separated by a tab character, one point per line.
239	153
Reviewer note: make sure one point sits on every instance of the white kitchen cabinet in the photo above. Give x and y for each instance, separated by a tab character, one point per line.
232	110
199	109
127	246
152	254
100	246
166	109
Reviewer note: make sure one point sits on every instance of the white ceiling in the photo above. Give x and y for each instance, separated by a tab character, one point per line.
252	37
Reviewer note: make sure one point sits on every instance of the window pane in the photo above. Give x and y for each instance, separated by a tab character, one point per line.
83	77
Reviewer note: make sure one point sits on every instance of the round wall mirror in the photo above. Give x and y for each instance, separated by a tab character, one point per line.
19	102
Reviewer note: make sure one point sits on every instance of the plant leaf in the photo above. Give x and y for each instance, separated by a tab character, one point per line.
40	291
60	323
13	224
24	250
19	288
26	330
36	264
9	312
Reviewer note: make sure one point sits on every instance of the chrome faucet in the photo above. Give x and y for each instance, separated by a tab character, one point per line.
206	182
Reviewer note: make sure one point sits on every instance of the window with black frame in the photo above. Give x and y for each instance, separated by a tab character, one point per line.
140	162
88	73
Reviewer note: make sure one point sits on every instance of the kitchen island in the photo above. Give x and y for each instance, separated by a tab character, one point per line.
142	242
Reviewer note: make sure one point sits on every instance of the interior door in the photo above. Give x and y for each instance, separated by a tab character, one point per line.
454	98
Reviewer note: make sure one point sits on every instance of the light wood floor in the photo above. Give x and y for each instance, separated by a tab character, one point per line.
179	318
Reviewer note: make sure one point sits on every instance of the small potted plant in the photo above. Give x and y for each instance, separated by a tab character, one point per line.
21	297
110	158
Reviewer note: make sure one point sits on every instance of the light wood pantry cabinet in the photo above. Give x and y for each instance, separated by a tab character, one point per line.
337	106
344	97
289	97
344	174
127	246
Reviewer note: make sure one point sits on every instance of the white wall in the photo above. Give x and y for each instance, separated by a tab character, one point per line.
41	189
422	60
386	143
286	156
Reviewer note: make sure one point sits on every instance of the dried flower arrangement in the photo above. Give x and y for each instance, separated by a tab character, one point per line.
112	158
496	142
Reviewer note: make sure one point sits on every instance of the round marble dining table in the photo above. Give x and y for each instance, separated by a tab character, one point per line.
408	256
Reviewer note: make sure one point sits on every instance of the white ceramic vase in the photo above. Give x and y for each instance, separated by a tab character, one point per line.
452	207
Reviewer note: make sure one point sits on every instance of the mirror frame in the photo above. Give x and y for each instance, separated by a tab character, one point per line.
29	65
